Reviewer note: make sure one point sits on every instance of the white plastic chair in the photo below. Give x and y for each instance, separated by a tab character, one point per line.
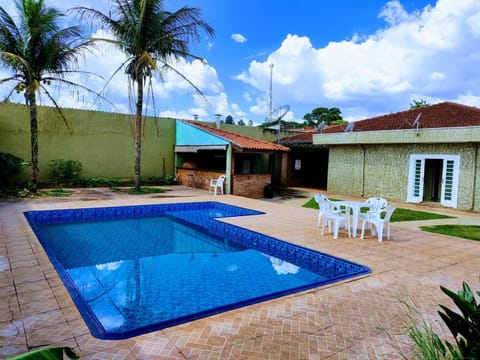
329	213
216	184
376	203
375	219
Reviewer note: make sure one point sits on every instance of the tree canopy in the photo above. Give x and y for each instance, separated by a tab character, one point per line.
417	104
229	120
153	39
331	116
37	51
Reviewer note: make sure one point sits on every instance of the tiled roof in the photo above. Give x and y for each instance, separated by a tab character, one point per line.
241	142
301	138
305	137
446	114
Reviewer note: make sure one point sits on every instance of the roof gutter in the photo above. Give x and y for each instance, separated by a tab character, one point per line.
404	136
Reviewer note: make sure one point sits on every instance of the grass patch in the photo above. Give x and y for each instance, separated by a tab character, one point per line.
57	192
145	190
399	214
312	204
471	232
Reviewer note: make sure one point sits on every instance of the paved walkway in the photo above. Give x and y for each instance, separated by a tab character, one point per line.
362	318
297	197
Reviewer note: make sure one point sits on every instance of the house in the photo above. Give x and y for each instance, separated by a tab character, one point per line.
104	144
203	153
307	163
428	154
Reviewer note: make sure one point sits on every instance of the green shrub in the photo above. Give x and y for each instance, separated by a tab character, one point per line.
11	168
57	192
168	179
428	346
65	172
99	182
49	353
145	190
464	326
152	180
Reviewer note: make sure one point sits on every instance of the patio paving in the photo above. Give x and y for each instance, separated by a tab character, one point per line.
361	318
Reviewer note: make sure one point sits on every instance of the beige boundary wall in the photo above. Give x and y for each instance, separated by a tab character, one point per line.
102	142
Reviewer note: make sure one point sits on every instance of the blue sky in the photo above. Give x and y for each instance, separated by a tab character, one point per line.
365	57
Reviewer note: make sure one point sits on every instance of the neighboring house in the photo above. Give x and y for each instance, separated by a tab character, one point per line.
203	153
104	144
307	163
429	154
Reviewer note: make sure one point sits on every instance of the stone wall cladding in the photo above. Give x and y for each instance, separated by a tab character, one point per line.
345	164
387	166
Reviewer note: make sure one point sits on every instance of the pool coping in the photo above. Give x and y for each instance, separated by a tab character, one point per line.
356	318
295	254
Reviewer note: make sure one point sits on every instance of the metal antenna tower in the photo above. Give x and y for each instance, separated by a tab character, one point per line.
269	115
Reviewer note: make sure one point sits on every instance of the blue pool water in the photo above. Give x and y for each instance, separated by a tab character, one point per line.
137	269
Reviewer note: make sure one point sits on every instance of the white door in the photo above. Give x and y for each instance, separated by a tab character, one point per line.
415	179
449	181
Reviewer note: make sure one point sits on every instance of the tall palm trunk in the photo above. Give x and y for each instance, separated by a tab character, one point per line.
32	106
138	132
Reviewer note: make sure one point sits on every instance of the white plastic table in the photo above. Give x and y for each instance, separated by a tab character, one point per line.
356	207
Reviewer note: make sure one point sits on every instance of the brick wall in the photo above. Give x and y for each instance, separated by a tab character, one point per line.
201	178
250	185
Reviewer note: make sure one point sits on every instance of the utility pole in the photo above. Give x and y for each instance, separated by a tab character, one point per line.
269	114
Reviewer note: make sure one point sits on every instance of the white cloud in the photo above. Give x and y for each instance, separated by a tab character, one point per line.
468	99
239	38
238	113
247	96
394	13
199	73
433	53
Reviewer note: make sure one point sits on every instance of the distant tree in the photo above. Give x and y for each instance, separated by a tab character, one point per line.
283	124
331	116
417	104
229	120
250	122
241	122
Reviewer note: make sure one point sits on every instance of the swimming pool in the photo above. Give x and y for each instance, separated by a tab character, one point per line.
136	269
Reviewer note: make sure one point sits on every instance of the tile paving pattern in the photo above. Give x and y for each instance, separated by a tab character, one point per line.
361	318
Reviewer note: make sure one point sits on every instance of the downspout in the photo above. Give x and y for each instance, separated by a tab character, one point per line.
228	172
175	161
363	171
475	179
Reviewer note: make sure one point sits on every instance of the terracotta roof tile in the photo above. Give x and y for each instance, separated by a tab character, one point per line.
305	137
301	138
242	142
445	114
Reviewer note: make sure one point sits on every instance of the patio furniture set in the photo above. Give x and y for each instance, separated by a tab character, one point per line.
374	211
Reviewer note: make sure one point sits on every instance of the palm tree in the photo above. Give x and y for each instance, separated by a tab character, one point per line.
38	51
152	38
